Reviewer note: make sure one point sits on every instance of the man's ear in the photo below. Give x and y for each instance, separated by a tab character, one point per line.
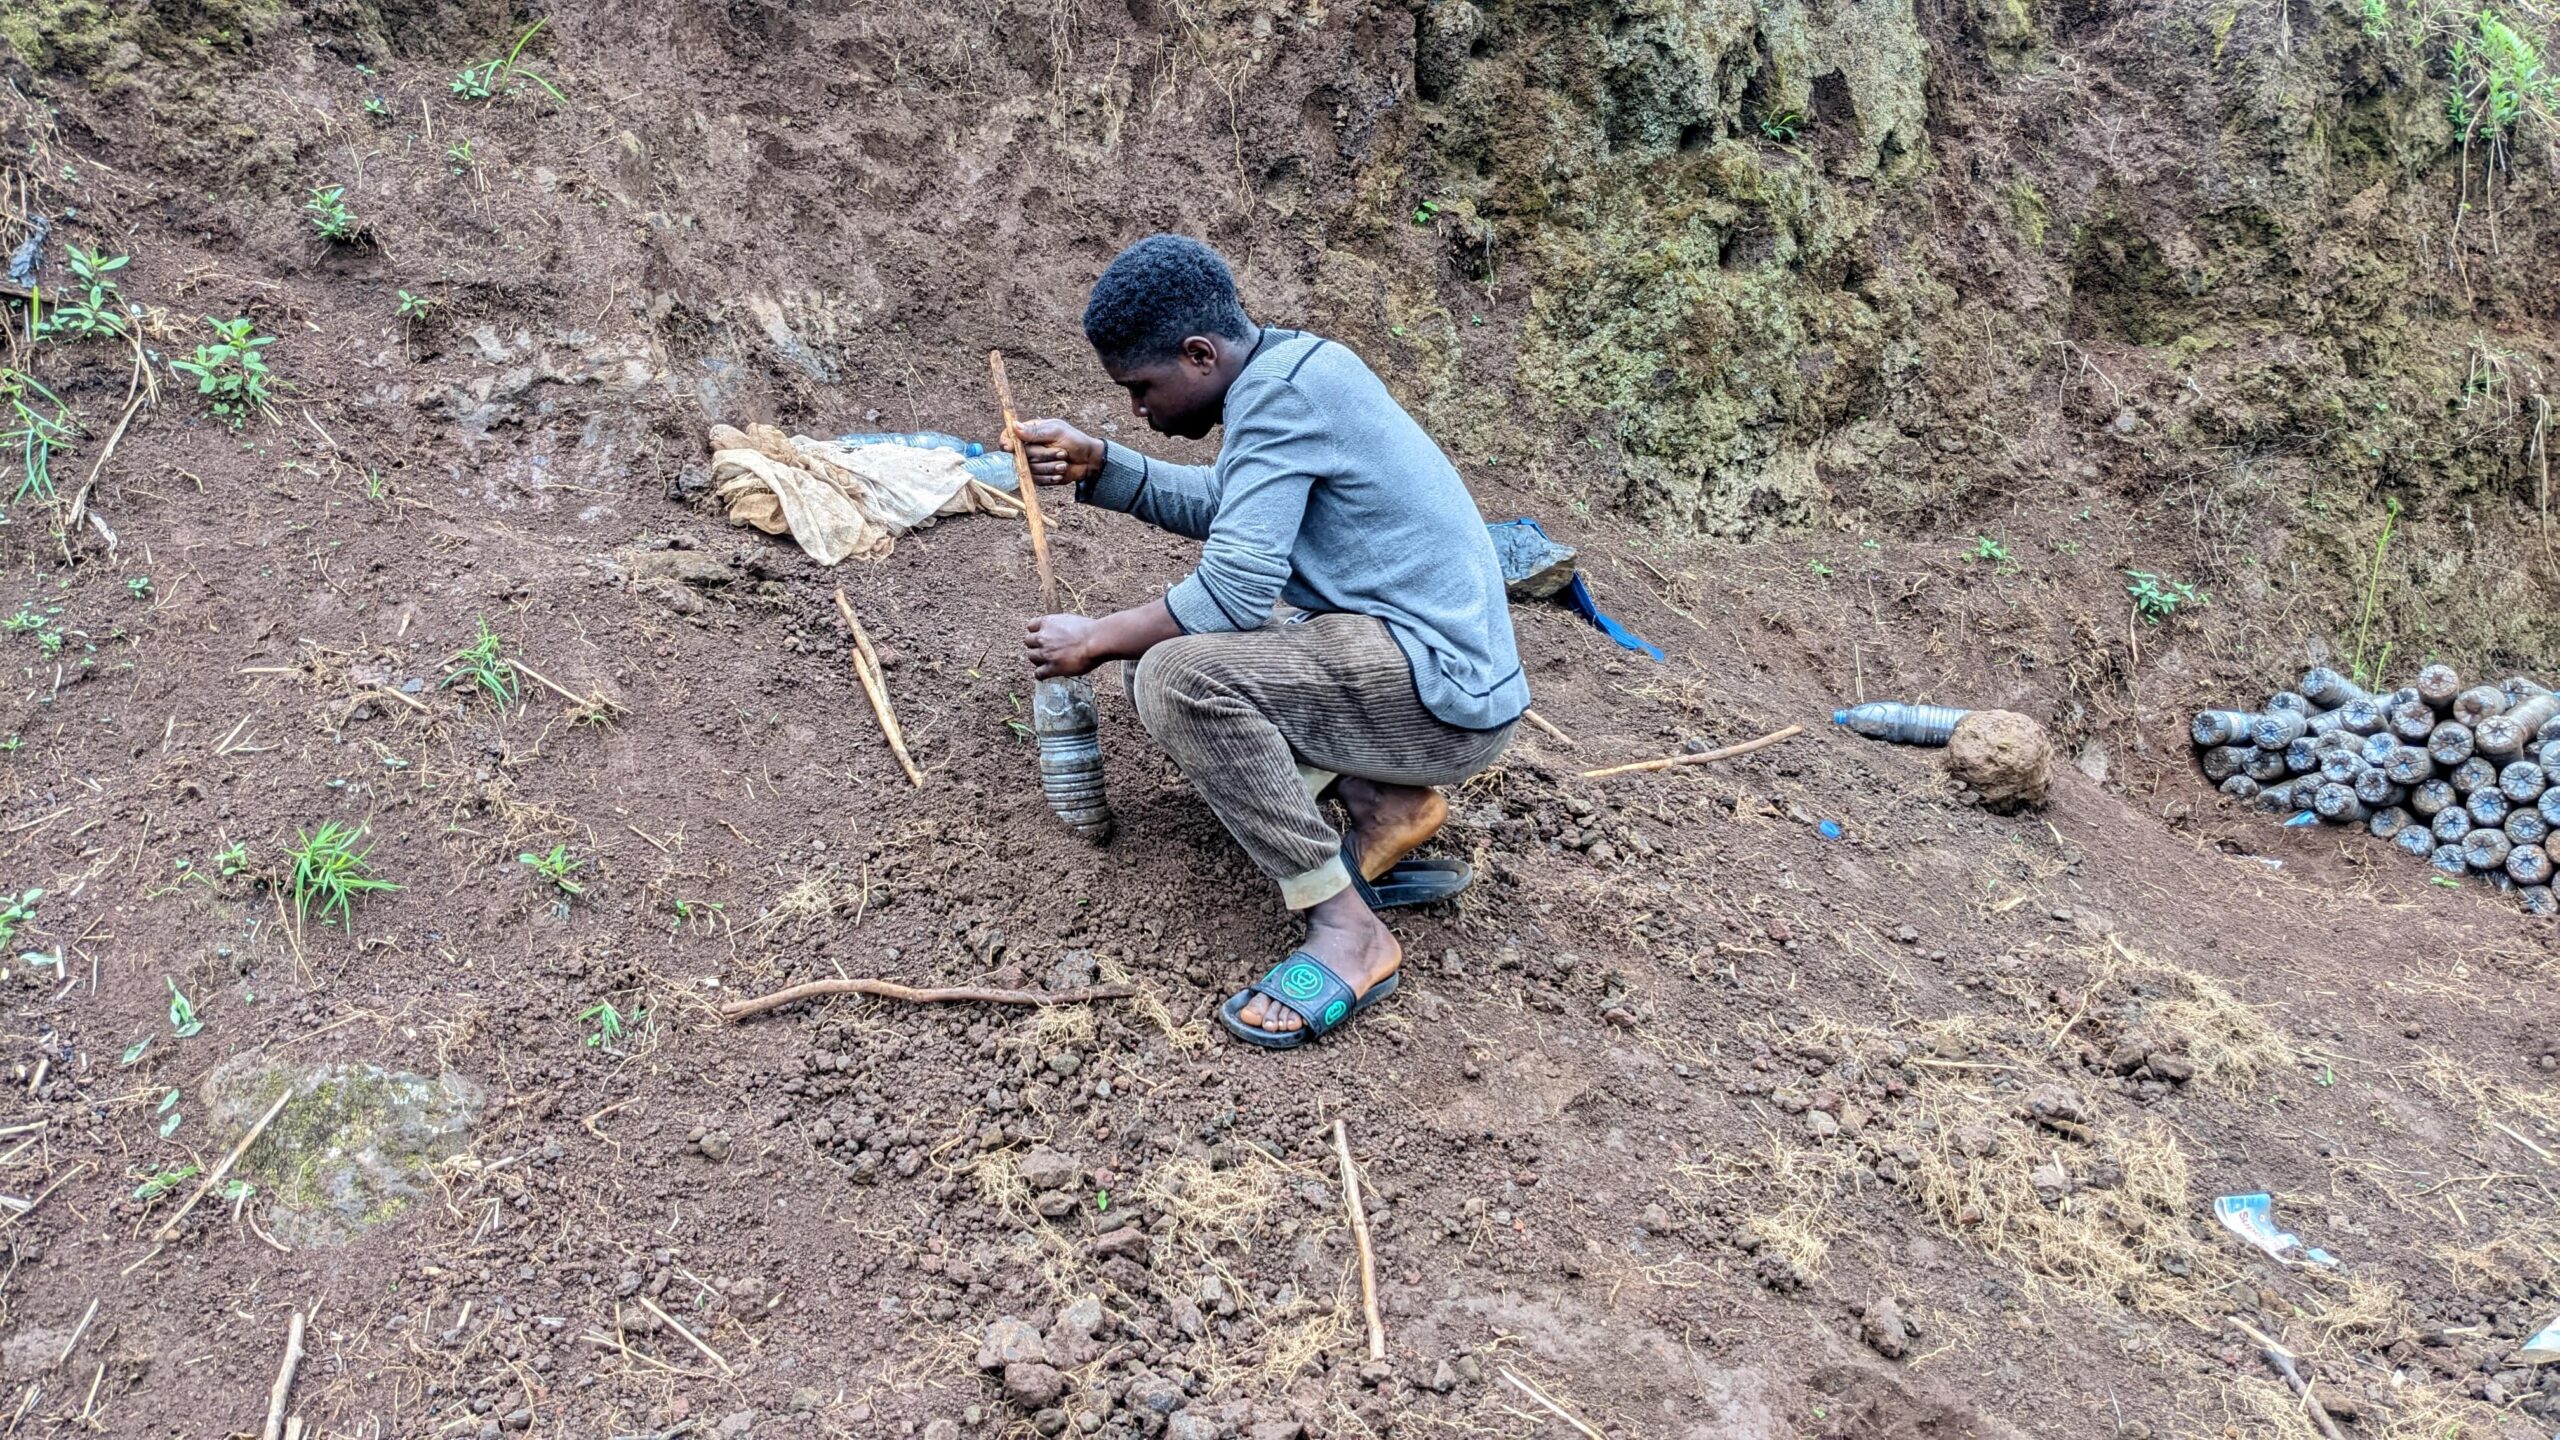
1200	352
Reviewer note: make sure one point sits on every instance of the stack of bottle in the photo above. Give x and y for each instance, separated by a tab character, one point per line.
2466	778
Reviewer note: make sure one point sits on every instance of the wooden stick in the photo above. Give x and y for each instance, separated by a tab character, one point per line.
1561	1413
169	1231
2282	1359
866	668
1543	723
690	1338
1030	496
76	1332
23	1211
890	990
284	1380
1360	1235
1727	753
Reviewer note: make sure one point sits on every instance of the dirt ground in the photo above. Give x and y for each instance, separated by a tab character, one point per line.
1688	1121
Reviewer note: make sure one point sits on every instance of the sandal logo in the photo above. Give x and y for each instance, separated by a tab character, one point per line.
1333	1012
1302	981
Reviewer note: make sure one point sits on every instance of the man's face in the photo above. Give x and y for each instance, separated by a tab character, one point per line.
1183	394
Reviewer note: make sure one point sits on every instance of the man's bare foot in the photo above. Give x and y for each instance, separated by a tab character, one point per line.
1351	941
1388	822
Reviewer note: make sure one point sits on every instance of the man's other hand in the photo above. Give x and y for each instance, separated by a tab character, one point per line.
1060	454
1061	645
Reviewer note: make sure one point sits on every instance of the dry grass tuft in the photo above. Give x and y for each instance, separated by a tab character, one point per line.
2231	1041
1210	1206
1792	1194
999	1182
1191	1039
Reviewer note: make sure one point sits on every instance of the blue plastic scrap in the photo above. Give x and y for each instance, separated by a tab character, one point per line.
2252	1218
1578	595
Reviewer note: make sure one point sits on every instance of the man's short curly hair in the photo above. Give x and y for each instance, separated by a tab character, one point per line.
1155	294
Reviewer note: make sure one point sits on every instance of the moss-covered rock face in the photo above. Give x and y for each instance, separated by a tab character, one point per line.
1692	182
350	1150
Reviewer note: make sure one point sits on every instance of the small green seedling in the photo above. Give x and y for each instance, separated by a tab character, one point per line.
458	155
165	1179
329	214
1783	126
171	1117
134	1051
556	867
377	107
483	663
415	307
688	911
1426	212
2157	597
1986	548
13	744
20	910
95	307
1821	569
606	1025
140	585
234	860
330	872
231	373
37	424
183	1020
490	78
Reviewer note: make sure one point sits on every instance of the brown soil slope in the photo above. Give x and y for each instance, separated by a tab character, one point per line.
1696	1122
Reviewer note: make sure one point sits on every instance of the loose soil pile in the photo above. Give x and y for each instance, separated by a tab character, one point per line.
1689	1121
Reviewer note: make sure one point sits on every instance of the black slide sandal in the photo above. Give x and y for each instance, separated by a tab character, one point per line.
1309	989
1409	882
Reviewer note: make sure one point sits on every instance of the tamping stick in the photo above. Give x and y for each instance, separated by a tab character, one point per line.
1030	496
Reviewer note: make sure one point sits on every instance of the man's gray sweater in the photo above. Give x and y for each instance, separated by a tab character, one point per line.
1328	496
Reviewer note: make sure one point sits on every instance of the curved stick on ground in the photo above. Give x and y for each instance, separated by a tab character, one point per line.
875	686
169	1231
284	1380
1548	727
891	990
2282	1360
1360	1235
1727	753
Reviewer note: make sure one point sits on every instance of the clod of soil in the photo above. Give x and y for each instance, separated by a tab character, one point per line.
2003	757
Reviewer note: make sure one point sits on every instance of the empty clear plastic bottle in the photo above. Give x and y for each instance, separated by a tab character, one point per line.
915	440
1903	724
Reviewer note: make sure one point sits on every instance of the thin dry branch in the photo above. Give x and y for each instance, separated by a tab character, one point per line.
890	990
169	1231
1668	761
1360	1237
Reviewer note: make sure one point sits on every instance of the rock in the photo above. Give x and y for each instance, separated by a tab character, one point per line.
351	1149
1071	1335
1443	1378
1885	1330
2128	1054
1276	1430
1820	1125
1033	1386
714	1146
1187	1426
2005	758
1128	1240
1152	1394
1470	1369
1075	970
684	567
1048	1170
1011	1342
942	1430
1978	1141
2056	1105
737	1423
2176	1068
1187	1319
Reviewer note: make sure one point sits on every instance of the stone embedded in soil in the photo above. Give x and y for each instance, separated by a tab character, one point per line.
1128	1240
1152	1394
1029	1386
2056	1105
2005	758
1187	1426
1011	1342
1075	970
942	1430
32	1350
1885	1330
684	567
1048	1170
350	1150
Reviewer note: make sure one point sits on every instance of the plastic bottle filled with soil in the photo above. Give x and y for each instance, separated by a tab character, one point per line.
2522	781
2538	900
2414	721
2209	727
2339	805
2488	807
2265	766
2479	703
2529	865
1905	724
2416	841
2487	849
2527	827
2409	765
2375	789
2241	787
2549	806
2437	685
2451	824
2451	859
2329	689
2450	744
2429	797
2388	822
2277	728
1071	775
2302	756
